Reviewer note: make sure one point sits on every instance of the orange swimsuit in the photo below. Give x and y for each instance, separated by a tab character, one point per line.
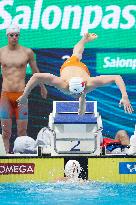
9	106
74	61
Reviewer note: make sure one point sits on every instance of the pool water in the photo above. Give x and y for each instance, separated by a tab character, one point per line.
89	193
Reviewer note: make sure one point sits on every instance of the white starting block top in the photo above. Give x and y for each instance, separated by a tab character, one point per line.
75	134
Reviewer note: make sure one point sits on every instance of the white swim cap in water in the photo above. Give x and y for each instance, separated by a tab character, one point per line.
13	28
72	169
76	85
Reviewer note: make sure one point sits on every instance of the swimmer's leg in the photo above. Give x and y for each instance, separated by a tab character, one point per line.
22	127
79	47
6	121
6	125
22	119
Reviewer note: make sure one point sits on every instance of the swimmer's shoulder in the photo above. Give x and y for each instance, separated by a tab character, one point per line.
71	180
29	51
3	48
61	179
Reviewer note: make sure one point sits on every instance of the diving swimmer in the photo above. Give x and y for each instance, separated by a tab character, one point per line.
75	79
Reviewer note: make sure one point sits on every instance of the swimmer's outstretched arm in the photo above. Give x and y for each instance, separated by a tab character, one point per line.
79	47
45	78
106	79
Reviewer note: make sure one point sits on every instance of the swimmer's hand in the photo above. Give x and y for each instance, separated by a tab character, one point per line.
89	37
127	105
44	91
22	100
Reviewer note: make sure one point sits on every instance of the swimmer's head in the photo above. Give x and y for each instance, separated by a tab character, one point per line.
76	85
13	28
123	137
72	169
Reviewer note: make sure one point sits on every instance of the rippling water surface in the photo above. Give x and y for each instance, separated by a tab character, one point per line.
89	193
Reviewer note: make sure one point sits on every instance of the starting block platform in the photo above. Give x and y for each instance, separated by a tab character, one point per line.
75	134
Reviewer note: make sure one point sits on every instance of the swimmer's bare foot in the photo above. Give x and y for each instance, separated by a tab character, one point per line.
89	37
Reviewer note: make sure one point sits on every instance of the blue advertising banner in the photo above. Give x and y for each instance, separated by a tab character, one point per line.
127	168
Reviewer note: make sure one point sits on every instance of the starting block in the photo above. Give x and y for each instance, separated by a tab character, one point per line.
75	134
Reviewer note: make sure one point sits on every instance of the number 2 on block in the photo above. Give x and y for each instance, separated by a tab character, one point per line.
75	146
